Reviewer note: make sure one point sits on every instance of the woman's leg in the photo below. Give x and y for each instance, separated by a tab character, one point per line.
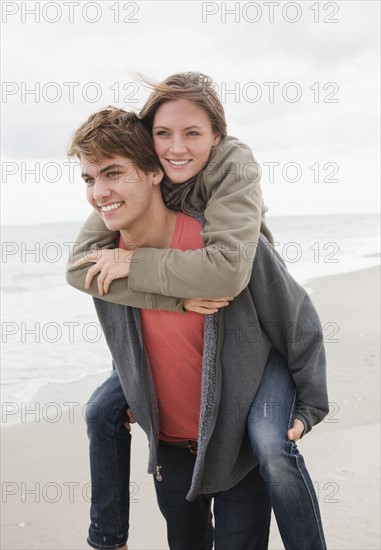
291	490
110	444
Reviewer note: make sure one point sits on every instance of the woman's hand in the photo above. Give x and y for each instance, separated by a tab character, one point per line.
110	264
131	419
296	431
206	307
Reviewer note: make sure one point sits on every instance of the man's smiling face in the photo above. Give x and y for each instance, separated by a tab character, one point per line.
119	192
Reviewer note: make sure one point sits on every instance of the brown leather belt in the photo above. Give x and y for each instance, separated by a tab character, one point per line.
189	444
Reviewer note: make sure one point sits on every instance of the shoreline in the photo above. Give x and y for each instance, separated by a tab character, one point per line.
52	401
51	458
60	390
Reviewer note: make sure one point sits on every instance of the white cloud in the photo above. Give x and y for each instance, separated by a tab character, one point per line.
171	37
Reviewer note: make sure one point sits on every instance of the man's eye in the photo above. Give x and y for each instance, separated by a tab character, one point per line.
89	181
113	174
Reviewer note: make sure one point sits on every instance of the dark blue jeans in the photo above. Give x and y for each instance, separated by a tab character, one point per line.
241	514
291	490
110	444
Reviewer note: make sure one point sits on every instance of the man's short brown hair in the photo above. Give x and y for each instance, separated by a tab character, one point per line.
114	132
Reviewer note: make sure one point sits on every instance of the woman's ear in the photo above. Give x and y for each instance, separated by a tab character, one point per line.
216	139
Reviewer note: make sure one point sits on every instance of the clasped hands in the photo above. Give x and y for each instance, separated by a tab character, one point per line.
115	263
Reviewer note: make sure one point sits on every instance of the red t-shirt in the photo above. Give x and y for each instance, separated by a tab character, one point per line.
174	345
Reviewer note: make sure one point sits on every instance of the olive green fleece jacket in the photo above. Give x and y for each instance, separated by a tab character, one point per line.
228	194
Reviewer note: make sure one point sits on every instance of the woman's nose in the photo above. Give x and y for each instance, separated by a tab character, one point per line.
177	145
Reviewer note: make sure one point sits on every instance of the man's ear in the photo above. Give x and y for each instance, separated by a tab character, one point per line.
157	177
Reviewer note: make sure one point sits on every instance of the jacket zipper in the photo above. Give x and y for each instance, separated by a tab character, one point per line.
154	450
217	385
218	375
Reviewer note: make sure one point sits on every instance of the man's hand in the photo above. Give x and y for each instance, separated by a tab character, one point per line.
131	419
110	264
206	307
296	431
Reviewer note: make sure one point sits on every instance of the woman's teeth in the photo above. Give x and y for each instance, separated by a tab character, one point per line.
110	207
178	162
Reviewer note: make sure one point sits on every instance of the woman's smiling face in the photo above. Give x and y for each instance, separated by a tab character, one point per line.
183	138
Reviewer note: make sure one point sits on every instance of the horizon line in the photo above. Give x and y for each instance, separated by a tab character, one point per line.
267	217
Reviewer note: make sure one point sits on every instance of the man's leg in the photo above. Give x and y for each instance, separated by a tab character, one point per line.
188	523
110	444
281	465
242	515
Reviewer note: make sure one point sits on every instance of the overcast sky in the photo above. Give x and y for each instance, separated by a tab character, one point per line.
298	80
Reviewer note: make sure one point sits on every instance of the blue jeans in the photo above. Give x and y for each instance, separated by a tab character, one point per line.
242	514
291	491
110	444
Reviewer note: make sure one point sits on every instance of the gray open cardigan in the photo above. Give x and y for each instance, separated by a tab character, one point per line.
272	313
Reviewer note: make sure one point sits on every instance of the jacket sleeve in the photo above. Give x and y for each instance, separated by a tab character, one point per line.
93	236
291	322
229	191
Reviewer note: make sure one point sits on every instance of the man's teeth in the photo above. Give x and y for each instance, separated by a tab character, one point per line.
178	162
110	207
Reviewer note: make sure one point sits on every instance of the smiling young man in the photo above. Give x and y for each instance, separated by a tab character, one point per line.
190	380
125	197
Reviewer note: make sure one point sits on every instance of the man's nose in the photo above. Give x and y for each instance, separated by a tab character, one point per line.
100	189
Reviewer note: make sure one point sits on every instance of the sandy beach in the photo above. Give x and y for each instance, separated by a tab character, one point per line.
45	472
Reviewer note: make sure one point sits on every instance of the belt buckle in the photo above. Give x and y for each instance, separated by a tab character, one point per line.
191	448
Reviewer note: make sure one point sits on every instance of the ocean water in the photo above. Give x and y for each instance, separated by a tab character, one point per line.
50	332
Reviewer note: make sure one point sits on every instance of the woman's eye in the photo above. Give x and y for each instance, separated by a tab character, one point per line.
193	133
161	133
